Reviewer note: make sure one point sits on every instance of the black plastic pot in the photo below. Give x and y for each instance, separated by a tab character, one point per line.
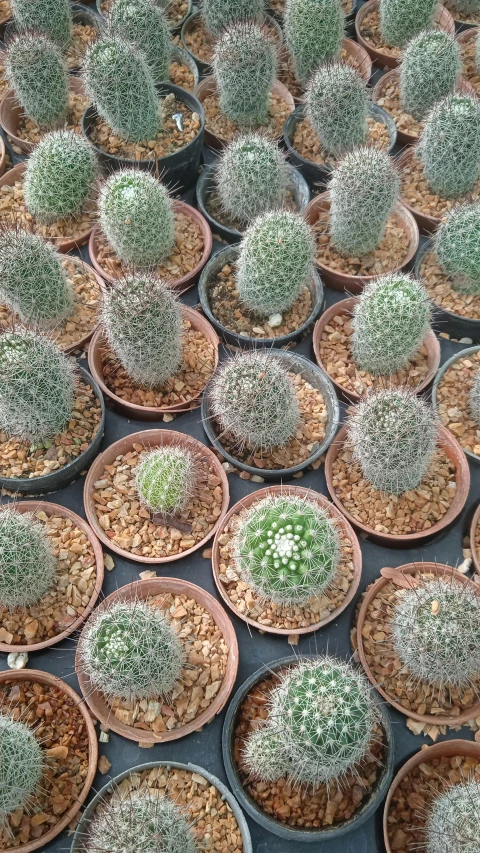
181	56
289	833
312	374
175	29
438	378
64	476
460	26
456	326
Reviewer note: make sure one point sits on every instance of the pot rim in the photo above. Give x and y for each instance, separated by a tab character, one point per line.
438	378
473	529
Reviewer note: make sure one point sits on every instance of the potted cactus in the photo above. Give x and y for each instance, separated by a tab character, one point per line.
456	397
177	11
71	26
466	14
469	42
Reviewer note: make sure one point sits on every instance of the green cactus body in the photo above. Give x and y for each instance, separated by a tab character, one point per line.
21	766
449	146
454	818
401	20
244	65
429	70
457	247
166	479
221	14
264	757
314	32
390	321
474	398
337	107
27	564
53	18
38	75
467	7
145	25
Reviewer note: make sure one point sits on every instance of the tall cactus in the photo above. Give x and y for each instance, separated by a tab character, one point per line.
221	14
400	20
449	146
457	247
27	563
21	766
430	67
314	31
337	107
145	25
53	18
38	75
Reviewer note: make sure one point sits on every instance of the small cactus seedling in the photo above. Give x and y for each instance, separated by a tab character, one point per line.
276	262
253	398
454	818
166	479
145	25
21	766
429	71
457	247
38	75
401	20
53	18
27	564
449	146
264	756
390	321
314	31
287	548
393	434
474	398
337	107
221	14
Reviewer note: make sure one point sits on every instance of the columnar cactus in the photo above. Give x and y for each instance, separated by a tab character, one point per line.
142	322
38	75
244	65
393	434
276	261
166	479
27	564
390	321
21	766
449	146
400	20
457	247
337	107
314	31
474	398
363	191
136	216
60	176
53	18
429	71
253	397
145	25
453	821
221	14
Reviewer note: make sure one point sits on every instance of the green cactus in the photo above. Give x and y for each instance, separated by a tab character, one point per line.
53	18
60	176
453	820
314	32
166	479
429	70
401	20
253	397
145	25
449	146
264	756
363	192
37	73
276	262
337	107
244	66
390	321
457	247
467	7
27	564
218	15
474	398
21	766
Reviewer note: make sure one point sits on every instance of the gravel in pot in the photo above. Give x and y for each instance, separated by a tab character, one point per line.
453	396
351	54
467	42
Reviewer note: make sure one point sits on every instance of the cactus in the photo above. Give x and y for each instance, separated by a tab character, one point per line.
38	75
429	71
253	397
166	479
276	262
37	386
27	564
287	548
449	146
256	169
129	650
142	322
60	176
145	25
467	7
477	51
363	192
401	20
457	247
314	31
218	15
390	321
136	216
264	757
474	398
393	434
53	18
120	85
337	107
244	66
453	821
21	766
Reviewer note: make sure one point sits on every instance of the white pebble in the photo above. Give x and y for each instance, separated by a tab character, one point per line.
17	660
465	341
275	320
464	567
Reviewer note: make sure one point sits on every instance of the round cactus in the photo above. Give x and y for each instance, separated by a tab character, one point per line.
474	398
257	169
253	397
21	766
276	262
145	25
449	147
400	20
166	479
390	321
363	192
264	756
27	564
457	247
244	65
314	31
53	18
38	75
337	107
287	548
429	71
453	821
221	14
60	176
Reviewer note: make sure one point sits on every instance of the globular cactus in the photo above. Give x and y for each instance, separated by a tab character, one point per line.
37	73
449	146
221	14
314	31
390	321
53	18
244	66
136	216
453	820
21	766
337	107
393	434
60	176
276	262
142	322
257	169
130	650
474	398
429	71
253	397
27	564
33	282
120	85
166	479
363	192
37	386
287	548
264	757
145	25
457	247
400	20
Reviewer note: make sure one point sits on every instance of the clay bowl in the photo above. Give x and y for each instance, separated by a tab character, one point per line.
63	512
355	283
473	547
337	516
148	413
142	590
46	678
180	285
150	438
346	307
410	569
427	224
454	452
11	113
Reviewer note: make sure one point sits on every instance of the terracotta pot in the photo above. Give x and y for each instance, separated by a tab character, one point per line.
355	283
148	413
180	285
46	678
449	748
443	21
11	113
150	438
473	546
345	528
427	224
208	86
143	589
452	449
345	307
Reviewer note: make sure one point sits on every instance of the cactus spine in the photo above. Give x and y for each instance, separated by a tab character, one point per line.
221	14
337	107
38	75
400	20
449	146
21	766
145	25
453	820
457	247
27	564
314	31
53	18
167	479
429	70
